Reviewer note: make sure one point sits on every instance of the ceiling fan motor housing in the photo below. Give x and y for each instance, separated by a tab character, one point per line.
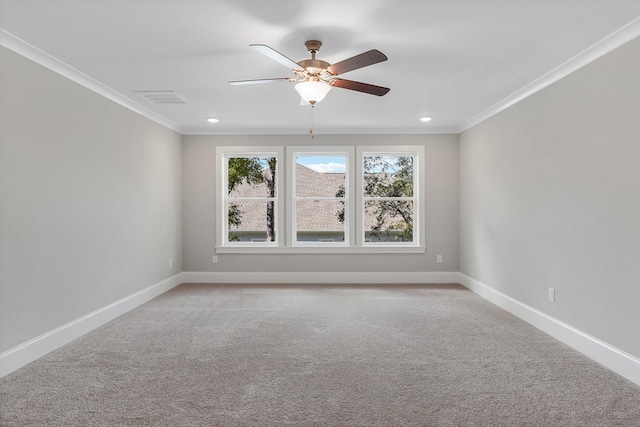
313	66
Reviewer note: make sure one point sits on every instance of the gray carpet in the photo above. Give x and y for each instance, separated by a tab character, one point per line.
310	355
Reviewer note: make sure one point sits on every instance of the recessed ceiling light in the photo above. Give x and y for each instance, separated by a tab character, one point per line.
426	119
212	120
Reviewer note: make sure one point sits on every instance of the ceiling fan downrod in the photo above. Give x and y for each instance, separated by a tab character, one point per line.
313	67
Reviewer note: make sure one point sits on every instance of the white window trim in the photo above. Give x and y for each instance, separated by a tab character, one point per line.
321	249
419	199
222	224
285	230
326	151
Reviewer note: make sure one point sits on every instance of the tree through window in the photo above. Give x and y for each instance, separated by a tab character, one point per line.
388	197
251	198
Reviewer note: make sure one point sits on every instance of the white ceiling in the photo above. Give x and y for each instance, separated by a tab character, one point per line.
459	61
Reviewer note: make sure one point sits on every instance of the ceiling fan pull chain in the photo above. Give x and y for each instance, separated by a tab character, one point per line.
311	120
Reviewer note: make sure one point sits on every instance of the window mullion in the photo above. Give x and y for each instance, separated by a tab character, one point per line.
357	216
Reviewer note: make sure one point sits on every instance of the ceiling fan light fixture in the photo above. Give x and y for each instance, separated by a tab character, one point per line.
313	91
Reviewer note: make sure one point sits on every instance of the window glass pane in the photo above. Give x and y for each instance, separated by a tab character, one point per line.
320	176
251	221
319	221
251	176
388	221
388	176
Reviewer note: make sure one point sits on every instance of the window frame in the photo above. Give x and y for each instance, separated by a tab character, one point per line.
285	210
223	154
418	193
325	151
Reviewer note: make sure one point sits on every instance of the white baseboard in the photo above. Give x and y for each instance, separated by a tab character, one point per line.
613	358
27	352
322	277
35	348
617	360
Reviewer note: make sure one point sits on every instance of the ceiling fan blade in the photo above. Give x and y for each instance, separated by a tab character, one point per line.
367	58
360	87
276	56
259	81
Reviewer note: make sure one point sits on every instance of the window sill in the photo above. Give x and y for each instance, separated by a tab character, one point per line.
320	250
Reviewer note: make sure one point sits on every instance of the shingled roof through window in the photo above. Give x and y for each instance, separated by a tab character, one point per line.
312	215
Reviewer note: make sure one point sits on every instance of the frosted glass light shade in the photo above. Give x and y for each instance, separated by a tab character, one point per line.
313	92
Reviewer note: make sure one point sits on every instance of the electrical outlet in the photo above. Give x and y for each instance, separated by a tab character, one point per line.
214	259
439	259
552	295
170	262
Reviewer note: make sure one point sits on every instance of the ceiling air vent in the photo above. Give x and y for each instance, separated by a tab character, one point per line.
160	96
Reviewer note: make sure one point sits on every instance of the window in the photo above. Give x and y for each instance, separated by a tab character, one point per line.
344	199
250	203
389	203
320	192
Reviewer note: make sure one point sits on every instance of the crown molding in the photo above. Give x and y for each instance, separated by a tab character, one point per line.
604	46
42	58
601	48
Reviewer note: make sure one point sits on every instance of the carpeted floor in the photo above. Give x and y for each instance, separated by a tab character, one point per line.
311	355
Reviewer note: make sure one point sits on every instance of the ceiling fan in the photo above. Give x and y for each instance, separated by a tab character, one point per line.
315	77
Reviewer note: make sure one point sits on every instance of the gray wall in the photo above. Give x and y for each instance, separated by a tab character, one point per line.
95	199
441	187
550	197
90	201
